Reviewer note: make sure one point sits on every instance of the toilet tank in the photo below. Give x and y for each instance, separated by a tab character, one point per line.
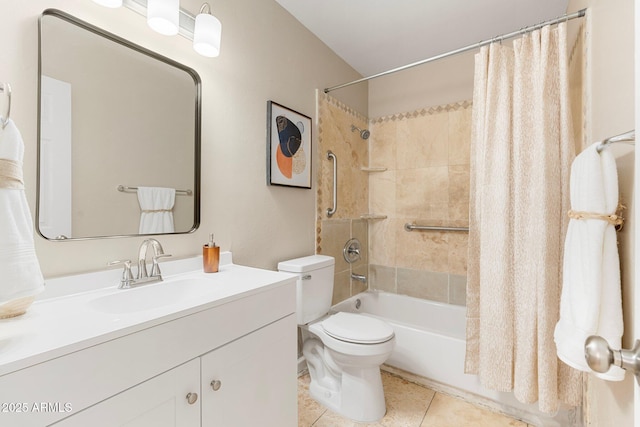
314	286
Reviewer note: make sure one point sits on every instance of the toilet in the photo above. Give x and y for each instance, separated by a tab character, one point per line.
343	351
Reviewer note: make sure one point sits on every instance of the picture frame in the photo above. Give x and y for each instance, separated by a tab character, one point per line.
288	147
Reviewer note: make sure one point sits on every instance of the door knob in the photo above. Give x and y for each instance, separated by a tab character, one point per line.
216	384
600	356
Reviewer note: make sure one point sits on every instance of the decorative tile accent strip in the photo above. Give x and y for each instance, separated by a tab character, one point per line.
342	106
456	106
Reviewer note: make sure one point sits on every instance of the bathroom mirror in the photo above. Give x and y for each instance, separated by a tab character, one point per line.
113	117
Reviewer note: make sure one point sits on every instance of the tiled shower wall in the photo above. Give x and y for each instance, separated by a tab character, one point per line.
426	181
426	156
352	152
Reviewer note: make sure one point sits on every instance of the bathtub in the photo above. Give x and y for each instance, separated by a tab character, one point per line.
430	345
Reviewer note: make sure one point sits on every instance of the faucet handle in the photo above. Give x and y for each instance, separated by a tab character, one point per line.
127	276
155	268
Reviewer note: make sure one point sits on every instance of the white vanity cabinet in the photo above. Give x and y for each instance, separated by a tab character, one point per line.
158	402
248	382
244	383
243	342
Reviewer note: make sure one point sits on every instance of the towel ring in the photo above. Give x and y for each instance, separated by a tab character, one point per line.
6	89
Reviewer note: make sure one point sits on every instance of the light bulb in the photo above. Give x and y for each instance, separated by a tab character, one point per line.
207	35
163	16
109	3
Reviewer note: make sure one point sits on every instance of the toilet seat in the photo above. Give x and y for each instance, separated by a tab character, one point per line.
356	328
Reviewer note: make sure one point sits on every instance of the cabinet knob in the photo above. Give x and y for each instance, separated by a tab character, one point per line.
216	384
192	398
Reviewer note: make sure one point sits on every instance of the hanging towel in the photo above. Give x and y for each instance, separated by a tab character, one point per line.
20	274
591	302
156	206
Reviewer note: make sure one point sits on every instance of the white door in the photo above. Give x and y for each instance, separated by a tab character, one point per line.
55	159
636	216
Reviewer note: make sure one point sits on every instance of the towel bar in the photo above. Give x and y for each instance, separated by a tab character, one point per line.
124	188
628	137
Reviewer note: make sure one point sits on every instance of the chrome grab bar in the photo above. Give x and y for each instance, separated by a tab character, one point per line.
331	156
411	227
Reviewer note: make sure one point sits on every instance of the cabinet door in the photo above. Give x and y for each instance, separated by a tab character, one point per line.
252	381
158	402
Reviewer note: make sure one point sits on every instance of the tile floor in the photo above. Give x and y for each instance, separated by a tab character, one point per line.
408	405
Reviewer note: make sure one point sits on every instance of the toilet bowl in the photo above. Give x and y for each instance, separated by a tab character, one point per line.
347	368
343	351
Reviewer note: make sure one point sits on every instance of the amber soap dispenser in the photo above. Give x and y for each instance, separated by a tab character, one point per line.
210	256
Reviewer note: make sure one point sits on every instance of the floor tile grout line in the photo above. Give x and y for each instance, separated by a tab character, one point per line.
428	407
318	419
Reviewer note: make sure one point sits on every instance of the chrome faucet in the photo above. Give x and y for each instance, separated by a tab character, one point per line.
143	276
158	252
359	277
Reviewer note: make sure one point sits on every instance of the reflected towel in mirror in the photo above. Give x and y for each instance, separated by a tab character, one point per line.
156	209
20	274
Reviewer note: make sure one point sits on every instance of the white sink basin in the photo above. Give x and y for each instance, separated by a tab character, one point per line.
151	296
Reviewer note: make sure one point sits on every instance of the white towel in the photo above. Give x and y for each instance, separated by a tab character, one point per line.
156	206
591	301
20	274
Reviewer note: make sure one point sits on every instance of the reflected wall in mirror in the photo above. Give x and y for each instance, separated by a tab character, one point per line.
112	114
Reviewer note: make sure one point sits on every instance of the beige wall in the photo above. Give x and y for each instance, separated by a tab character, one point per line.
441	82
609	110
266	54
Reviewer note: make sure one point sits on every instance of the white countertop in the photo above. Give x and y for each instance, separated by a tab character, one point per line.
64	320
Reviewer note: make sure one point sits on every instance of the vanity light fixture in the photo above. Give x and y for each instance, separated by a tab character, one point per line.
166	17
109	3
163	16
207	33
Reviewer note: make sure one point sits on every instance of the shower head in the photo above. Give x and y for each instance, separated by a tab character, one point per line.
364	133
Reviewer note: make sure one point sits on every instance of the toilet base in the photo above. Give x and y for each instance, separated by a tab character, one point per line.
351	391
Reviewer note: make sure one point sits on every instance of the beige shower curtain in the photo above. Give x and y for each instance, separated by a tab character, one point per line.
522	148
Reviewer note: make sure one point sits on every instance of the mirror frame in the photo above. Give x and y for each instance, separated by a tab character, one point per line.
198	119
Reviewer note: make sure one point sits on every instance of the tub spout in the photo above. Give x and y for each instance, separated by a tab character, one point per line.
359	277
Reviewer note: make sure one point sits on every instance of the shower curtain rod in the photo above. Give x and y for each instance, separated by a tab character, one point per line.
578	14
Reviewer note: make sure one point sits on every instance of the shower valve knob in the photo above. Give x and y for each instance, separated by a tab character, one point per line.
351	251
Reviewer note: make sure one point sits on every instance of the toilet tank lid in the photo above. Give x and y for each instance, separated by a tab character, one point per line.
307	263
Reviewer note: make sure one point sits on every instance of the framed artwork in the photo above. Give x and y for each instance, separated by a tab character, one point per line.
288	147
